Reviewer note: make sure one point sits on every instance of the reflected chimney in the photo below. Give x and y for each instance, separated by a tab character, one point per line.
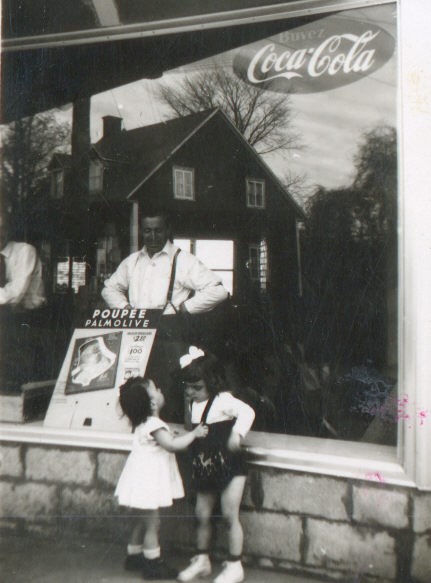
111	126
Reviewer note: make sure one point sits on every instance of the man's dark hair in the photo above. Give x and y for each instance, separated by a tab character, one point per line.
157	211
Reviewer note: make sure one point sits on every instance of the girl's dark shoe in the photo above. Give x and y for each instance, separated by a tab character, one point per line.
158	569
135	562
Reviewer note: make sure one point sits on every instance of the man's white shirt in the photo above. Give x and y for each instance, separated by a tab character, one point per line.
24	287
143	281
224	407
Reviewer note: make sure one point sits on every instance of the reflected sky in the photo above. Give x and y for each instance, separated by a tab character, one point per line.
330	124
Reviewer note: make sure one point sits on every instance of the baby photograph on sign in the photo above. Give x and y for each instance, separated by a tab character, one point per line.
94	363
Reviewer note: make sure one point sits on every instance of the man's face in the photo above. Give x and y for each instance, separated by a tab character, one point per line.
155	234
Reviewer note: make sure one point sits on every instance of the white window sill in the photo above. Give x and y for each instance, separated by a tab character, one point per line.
303	454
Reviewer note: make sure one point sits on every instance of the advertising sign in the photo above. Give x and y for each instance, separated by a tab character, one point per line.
112	346
319	56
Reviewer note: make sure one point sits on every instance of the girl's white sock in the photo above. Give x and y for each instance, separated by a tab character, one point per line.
134	549
152	553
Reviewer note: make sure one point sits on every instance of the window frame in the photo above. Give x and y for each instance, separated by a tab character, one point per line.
98	187
409	462
256	248
253	181
184	170
262	276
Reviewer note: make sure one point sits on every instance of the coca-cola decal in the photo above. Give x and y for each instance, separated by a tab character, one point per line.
316	57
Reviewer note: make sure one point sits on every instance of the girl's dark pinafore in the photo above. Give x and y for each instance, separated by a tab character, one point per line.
213	465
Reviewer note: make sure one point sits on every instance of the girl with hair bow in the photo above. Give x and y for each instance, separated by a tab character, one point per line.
218	464
150	479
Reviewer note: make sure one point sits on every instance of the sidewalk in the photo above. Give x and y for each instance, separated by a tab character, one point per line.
24	559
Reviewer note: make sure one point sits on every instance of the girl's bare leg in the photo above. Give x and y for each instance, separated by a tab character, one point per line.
230	503
152	528
205	502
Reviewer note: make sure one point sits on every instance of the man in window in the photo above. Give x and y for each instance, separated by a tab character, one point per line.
22	297
143	280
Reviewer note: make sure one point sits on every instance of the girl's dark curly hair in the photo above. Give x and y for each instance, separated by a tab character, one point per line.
134	400
207	368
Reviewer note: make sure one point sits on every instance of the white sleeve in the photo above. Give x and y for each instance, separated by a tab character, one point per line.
154	423
208	288
21	271
116	290
145	430
244	413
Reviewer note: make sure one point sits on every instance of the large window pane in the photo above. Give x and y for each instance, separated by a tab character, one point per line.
315	324
215	254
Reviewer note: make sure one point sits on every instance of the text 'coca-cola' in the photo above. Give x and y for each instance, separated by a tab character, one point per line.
316	57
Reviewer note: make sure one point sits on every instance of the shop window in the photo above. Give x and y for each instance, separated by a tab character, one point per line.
255	192
331	372
217	255
96	176
57	184
184	185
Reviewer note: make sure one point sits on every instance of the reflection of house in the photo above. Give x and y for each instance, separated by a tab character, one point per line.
228	206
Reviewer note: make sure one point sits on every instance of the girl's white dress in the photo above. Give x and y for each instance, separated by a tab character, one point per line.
150	479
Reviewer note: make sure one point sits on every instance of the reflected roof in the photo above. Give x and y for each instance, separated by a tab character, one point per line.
57	51
43	17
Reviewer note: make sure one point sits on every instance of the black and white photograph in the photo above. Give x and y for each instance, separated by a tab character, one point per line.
215	220
93	363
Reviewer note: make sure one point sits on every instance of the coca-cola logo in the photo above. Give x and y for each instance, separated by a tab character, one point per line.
316	57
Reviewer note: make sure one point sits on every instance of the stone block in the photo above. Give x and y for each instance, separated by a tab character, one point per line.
109	467
178	527
253	493
422	512
42	530
356	550
61	466
380	506
421	563
96	528
9	526
272	535
306	495
87	503
10	461
29	501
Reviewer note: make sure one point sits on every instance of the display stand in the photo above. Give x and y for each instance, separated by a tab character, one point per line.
112	346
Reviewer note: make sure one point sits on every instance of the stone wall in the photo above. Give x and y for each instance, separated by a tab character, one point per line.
347	530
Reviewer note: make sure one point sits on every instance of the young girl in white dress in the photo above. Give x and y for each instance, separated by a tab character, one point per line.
219	467
150	478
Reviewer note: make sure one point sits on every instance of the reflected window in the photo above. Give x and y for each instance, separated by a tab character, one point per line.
70	273
96	176
217	255
184	187
255	192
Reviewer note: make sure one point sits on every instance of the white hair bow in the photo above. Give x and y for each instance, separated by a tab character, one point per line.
192	355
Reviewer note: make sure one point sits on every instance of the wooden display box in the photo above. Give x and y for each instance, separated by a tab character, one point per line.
30	404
